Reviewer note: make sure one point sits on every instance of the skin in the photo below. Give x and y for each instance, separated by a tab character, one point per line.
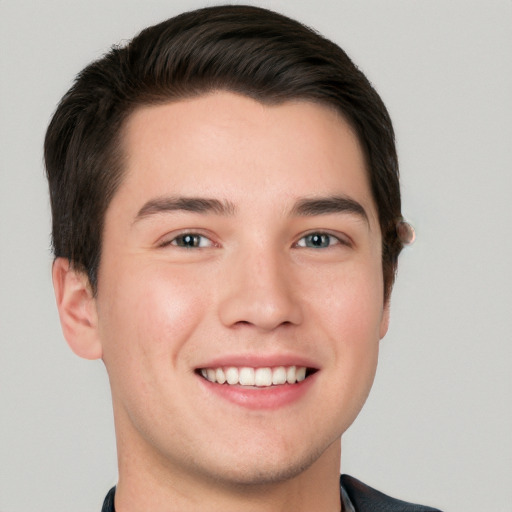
255	288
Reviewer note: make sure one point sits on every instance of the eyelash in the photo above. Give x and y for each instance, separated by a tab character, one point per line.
322	235
199	239
191	235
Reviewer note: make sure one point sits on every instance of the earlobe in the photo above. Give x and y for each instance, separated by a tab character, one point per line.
77	309
384	323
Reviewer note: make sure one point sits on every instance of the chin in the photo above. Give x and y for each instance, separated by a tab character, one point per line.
266	469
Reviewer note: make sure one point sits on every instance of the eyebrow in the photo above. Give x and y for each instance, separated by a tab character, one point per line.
327	205
307	207
189	204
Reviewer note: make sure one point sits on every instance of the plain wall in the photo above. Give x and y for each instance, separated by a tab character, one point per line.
437	427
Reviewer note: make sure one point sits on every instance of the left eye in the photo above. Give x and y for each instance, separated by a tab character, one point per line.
318	241
191	241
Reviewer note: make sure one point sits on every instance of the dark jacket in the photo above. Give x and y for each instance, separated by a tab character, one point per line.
362	497
366	499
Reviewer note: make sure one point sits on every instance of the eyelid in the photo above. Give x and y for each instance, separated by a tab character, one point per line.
340	238
168	239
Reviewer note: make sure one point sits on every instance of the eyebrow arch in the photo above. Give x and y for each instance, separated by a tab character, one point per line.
326	205
189	204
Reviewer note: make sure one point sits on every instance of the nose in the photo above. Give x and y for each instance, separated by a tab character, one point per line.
260	291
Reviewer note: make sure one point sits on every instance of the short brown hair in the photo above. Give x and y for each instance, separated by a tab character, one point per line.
243	49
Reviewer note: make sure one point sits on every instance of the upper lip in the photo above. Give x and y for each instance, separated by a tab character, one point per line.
259	361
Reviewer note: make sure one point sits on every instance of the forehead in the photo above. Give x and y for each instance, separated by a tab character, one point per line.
230	145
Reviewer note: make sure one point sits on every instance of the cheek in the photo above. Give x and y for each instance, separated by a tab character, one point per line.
350	302
355	326
148	316
350	310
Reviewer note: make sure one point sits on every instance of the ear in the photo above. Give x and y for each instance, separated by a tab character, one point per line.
384	323
77	309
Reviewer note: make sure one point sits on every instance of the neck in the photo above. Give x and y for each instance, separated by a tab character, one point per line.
151	484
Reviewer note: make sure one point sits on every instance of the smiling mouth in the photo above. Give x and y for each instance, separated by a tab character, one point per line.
256	377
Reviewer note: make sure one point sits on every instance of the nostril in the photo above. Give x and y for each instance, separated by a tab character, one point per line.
243	322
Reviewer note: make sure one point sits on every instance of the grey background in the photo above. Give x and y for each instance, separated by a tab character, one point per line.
438	425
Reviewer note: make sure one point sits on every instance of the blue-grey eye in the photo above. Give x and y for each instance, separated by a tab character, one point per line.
317	241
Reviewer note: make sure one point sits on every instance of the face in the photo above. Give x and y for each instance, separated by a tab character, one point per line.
239	303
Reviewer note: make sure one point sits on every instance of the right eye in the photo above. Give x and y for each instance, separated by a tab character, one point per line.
189	241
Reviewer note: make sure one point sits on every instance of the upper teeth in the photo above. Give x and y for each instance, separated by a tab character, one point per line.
261	377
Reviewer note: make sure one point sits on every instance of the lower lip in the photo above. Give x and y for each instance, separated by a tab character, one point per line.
271	397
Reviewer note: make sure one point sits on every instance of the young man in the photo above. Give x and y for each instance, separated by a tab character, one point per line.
226	227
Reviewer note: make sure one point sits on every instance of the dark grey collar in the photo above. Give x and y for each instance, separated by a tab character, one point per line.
355	497
365	499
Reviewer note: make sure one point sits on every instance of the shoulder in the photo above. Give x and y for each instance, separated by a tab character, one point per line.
366	499
108	504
